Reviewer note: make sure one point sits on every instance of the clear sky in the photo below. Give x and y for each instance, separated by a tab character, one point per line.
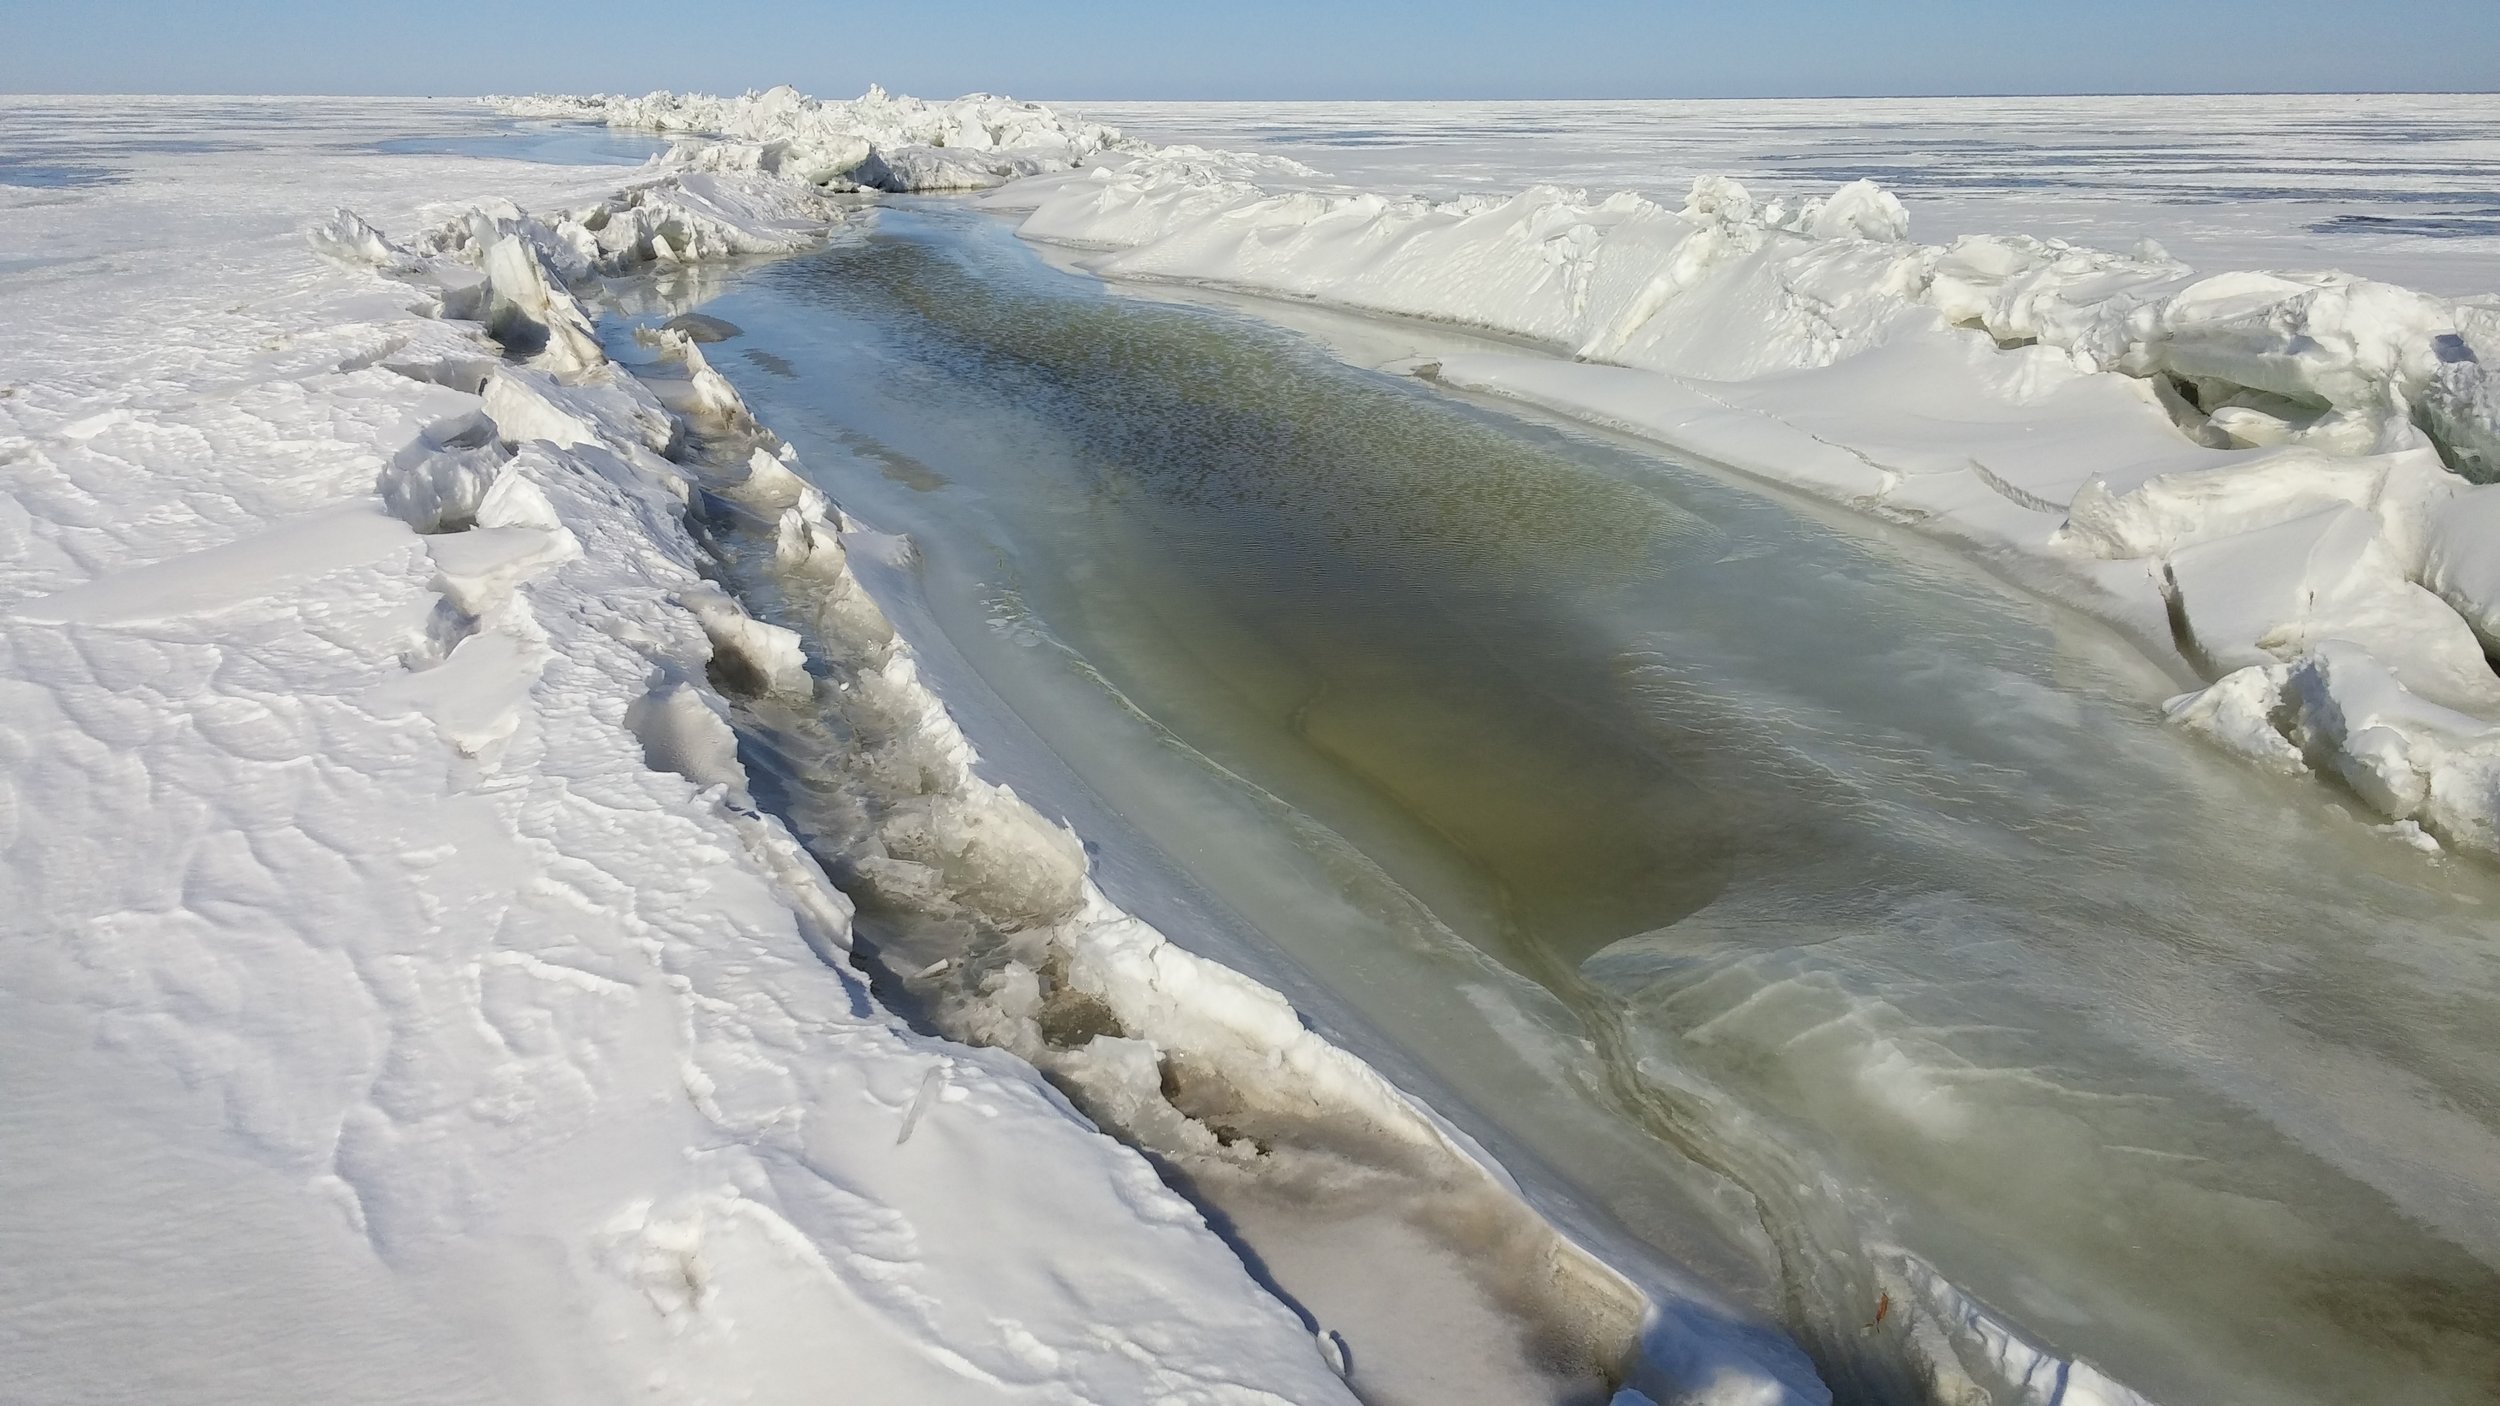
1279	49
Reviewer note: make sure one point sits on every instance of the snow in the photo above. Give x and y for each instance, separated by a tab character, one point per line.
2243	469
384	859
386	729
380	874
874	142
2393	186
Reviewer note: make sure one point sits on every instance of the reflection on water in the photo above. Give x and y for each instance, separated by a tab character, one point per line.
1835	895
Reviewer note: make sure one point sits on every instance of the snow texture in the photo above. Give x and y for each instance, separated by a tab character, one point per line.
386	900
375	718
2393	186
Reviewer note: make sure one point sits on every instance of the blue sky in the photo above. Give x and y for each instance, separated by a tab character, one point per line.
1294	49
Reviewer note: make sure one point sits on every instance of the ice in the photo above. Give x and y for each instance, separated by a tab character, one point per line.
987	913
381	871
2460	566
875	142
2394	186
385	838
1994	1117
2247	471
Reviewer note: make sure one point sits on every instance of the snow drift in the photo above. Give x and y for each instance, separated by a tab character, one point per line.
1007	943
392	734
365	691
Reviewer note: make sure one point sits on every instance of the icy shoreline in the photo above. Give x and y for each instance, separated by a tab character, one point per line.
1209	1071
2276	477
543	617
779	132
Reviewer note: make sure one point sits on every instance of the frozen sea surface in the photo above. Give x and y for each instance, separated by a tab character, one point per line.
563	144
2403	187
1816	909
96	194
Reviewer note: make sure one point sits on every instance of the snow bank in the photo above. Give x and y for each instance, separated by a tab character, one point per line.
2268	472
1209	1071
369	775
874	142
381	747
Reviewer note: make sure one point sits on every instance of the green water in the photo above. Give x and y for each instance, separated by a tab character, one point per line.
1779	893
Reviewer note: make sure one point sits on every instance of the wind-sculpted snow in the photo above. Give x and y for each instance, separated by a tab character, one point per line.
367	778
2273	476
874	142
1201	1066
396	773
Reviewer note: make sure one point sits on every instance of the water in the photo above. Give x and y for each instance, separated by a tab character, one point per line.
1776	891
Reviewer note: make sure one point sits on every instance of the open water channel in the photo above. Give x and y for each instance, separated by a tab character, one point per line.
1776	893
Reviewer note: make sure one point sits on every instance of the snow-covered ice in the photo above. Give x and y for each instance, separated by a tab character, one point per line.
2393	186
424	1011
383	861
875	142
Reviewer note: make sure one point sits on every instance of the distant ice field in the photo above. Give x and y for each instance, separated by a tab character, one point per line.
2403	187
76	143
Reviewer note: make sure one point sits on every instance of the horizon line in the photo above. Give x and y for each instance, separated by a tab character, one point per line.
1711	98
